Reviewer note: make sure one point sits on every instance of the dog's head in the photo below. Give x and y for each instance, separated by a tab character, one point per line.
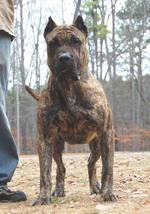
66	48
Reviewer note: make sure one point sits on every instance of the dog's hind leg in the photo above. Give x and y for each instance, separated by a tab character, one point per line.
45	161
60	174
94	156
107	146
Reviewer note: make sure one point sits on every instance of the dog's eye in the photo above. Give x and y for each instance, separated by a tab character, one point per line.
54	43
75	42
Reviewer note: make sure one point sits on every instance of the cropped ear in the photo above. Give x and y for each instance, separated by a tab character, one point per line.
80	24
50	26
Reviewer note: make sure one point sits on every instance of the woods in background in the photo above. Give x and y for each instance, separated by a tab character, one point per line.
118	43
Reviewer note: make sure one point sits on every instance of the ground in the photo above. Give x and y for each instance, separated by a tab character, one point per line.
131	186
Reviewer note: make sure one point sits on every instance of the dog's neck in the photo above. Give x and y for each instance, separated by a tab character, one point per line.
68	90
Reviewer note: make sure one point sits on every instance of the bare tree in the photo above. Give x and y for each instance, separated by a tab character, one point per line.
62	11
78	3
22	70
114	104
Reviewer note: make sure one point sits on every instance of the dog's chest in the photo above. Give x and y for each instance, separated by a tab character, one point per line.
74	125
75	115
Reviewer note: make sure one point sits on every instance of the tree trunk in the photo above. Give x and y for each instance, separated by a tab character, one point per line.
77	9
114	104
22	68
102	40
95	38
109	62
132	94
62	11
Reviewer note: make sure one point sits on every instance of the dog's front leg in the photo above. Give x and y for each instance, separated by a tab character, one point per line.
60	176
107	165
45	161
94	156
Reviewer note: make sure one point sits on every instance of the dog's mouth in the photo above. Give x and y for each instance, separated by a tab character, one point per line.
64	71
67	67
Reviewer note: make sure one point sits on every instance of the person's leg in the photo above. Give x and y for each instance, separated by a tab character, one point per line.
8	150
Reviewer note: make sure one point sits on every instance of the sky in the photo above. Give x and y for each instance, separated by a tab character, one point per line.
54	8
48	8
31	14
32	10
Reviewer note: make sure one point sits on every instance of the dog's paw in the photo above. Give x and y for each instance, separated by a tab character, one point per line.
108	197
42	201
95	189
58	193
59	190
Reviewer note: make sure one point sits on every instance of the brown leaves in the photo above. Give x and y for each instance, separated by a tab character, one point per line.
131	186
103	207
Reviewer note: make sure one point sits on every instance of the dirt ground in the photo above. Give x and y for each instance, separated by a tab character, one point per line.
131	186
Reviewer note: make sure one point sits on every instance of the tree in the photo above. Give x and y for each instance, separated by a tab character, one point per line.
78	3
95	12
134	17
22	70
114	101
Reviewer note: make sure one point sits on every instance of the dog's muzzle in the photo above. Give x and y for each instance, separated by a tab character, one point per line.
64	57
66	66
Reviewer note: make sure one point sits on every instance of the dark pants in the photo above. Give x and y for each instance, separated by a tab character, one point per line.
8	151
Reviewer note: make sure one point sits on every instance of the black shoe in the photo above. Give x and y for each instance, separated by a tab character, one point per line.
7	195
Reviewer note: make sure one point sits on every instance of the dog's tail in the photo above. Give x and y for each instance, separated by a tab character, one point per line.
33	93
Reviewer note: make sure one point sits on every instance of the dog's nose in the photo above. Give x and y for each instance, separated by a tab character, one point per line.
64	57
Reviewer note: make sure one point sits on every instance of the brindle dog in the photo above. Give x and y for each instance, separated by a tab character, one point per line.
72	108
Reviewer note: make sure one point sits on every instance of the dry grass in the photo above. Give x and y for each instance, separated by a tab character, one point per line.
131	185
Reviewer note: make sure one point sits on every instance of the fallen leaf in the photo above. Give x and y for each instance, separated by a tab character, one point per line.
93	196
102	207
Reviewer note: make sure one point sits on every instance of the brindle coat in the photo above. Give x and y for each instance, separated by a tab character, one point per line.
72	108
